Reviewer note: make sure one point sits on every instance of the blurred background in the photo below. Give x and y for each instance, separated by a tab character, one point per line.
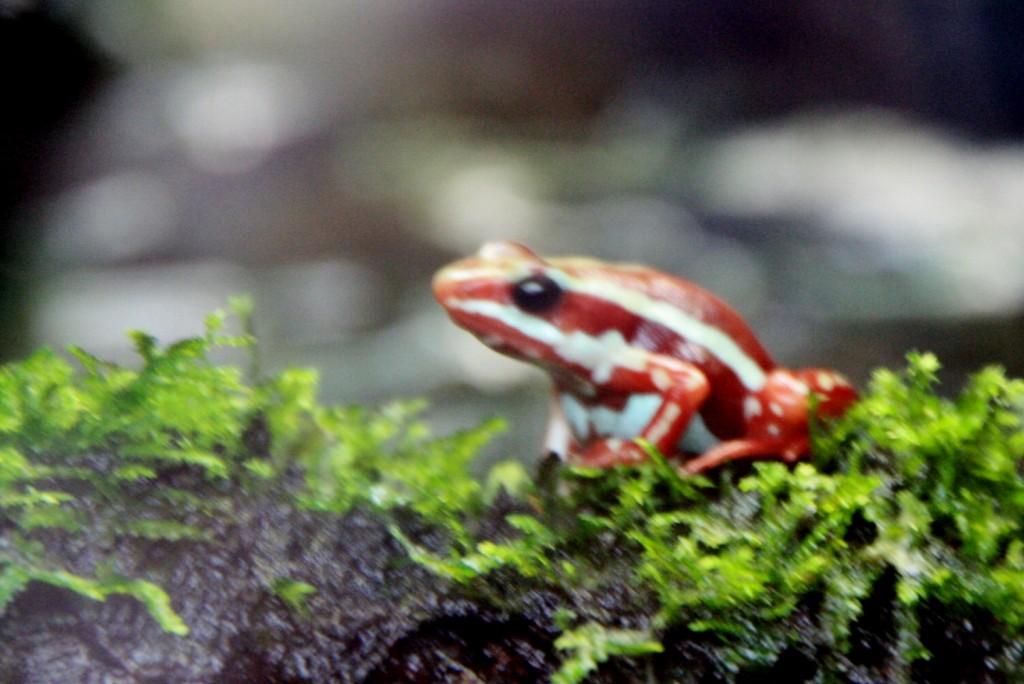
849	175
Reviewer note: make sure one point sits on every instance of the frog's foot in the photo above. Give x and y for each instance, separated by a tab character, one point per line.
789	449
607	453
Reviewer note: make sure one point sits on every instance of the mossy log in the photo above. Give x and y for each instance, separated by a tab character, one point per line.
376	617
177	523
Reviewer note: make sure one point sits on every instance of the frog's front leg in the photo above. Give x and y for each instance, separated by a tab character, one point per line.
675	388
558	438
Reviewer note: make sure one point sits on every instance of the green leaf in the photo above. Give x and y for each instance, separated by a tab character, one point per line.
592	644
13	578
510	477
167	530
157	602
293	592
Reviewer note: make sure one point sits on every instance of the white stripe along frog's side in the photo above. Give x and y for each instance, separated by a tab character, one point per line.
636	353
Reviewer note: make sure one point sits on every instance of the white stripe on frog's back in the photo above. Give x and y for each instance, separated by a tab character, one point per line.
603	353
590	421
718	342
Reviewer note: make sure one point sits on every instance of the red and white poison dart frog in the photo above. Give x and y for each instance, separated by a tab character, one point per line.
637	353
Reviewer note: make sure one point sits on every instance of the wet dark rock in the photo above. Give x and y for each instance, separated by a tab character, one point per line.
369	602
376	617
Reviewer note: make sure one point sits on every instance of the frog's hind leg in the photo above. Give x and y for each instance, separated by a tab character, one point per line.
789	449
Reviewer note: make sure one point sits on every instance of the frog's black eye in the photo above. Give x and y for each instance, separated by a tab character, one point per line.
536	294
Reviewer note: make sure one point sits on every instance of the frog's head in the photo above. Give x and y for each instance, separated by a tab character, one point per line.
486	274
505	294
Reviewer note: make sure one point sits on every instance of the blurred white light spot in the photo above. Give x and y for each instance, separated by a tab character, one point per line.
113	218
230	116
487	201
930	203
94	308
869	175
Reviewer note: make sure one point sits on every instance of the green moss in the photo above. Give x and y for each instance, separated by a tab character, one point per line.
387	459
909	488
160	452
591	644
293	592
909	484
81	444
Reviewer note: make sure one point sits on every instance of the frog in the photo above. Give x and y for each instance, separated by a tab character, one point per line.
637	357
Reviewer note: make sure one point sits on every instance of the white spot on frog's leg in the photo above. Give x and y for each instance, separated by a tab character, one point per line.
600	421
628	422
637	415
826	381
773	430
661	379
775	408
789	381
751	408
576	415
665	423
